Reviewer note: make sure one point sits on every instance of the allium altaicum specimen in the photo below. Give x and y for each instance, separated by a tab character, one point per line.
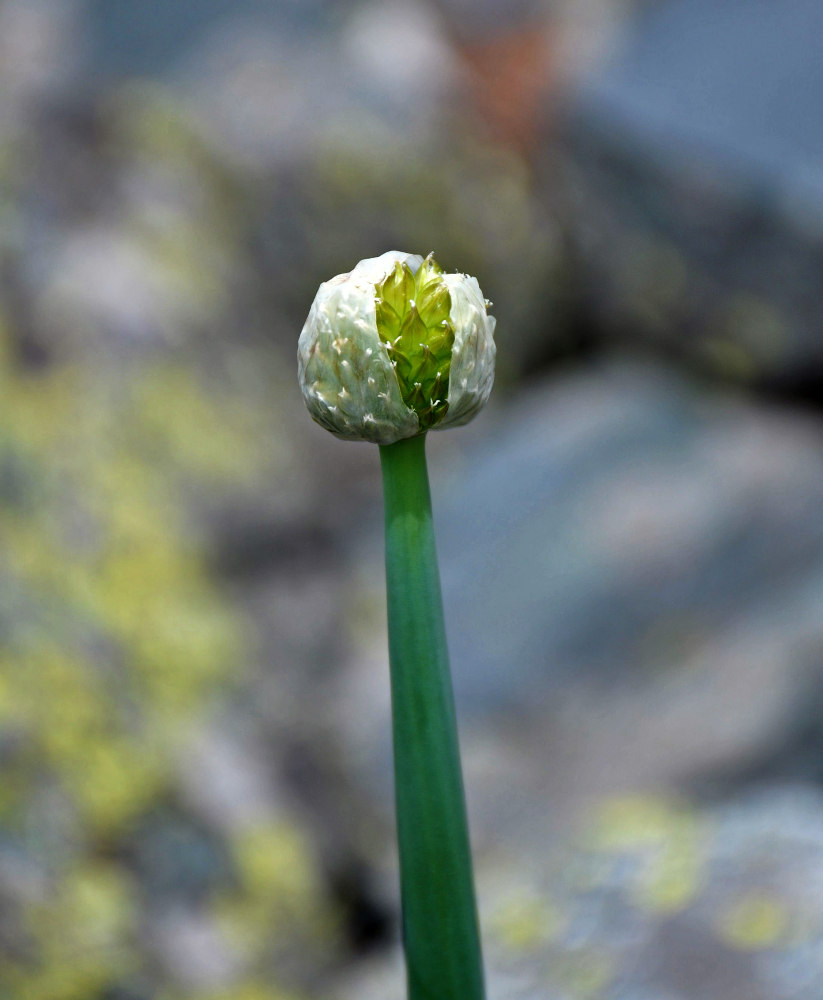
390	351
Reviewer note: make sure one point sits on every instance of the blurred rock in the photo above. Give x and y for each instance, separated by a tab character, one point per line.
693	189
653	898
194	953
632	571
135	40
620	519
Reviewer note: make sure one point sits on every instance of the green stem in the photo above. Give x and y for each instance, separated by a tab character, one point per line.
440	930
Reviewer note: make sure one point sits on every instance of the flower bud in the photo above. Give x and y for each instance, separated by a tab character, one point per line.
396	348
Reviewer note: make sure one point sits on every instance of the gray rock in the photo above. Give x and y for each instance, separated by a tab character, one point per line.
694	193
653	899
613	523
632	571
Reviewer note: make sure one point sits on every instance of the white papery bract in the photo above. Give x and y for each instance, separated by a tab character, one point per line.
348	374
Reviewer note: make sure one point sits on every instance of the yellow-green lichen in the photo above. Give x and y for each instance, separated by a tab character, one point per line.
753	922
115	640
525	922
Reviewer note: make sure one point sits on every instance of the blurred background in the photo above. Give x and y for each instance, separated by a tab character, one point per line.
195	772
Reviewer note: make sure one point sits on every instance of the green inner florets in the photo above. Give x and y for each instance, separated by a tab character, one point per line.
413	321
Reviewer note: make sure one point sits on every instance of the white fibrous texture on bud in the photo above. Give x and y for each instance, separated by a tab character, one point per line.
395	348
347	379
474	351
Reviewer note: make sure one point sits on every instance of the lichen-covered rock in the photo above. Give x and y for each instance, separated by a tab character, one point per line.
652	898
